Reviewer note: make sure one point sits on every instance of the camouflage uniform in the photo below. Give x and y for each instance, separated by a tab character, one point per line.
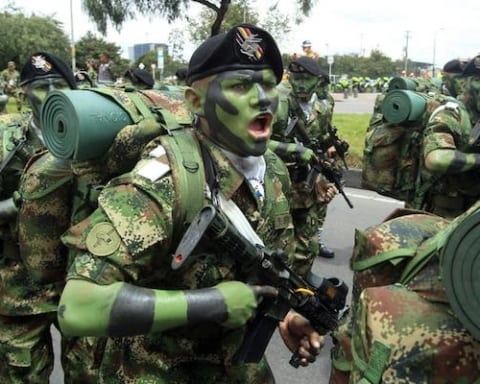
10	78
449	195
27	307
401	328
145	224
56	193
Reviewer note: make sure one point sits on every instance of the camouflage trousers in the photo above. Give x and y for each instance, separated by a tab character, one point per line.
81	359
126	361
305	222
26	350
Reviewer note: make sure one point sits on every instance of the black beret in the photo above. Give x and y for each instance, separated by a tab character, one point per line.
83	77
453	66
306	64
472	68
140	76
245	46
43	65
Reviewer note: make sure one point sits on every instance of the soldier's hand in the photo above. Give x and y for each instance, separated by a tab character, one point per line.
325	190
241	301
306	155
300	337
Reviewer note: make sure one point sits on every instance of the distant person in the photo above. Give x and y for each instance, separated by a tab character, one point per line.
307	50
10	78
105	70
91	71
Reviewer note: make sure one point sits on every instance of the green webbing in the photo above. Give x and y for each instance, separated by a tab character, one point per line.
188	173
140	105
392	256
373	370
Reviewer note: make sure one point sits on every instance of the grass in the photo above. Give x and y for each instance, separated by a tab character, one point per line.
352	127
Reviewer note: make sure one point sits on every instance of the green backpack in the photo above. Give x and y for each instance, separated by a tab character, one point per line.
393	145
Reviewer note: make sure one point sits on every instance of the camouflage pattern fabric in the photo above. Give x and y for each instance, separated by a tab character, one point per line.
453	194
402	333
393	153
308	214
26	310
427	344
144	222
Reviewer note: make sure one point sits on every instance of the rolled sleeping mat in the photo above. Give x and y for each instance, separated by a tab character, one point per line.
402	83
81	124
461	272
401	106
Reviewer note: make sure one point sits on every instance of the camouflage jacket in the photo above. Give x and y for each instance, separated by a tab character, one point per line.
140	207
449	127
19	294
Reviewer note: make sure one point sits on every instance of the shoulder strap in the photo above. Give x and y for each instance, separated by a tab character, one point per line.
188	173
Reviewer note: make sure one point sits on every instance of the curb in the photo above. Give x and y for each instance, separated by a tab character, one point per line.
353	178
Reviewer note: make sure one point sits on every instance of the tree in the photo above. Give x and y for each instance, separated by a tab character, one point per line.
23	35
118	11
89	48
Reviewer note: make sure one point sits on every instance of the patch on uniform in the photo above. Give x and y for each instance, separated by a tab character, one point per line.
103	240
282	221
153	169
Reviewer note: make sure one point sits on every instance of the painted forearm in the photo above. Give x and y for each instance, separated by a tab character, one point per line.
450	161
120	309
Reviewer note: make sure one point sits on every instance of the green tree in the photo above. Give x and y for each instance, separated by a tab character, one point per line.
118	11
23	35
89	48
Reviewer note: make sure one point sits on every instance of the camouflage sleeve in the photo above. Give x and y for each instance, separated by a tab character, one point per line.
121	238
440	132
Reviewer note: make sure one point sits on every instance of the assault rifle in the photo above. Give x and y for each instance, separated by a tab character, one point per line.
323	165
321	300
341	146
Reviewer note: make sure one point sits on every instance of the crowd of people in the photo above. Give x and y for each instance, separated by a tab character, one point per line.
172	255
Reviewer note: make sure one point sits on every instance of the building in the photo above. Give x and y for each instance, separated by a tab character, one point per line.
138	50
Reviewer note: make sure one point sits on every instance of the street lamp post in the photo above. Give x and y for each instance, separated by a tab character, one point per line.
435	50
74	64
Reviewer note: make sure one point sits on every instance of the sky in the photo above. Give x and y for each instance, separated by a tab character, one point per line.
432	30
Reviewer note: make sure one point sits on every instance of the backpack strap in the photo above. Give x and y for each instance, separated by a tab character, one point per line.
374	368
188	174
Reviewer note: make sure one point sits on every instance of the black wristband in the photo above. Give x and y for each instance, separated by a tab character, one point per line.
206	305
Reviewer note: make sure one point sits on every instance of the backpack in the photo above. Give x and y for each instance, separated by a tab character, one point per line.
413	310
392	157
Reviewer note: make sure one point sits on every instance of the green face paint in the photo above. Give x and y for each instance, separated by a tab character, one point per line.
239	107
37	91
303	84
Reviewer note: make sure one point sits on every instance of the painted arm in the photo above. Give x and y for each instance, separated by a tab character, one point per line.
122	309
451	161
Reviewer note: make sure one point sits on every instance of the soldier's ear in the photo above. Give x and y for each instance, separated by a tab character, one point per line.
193	100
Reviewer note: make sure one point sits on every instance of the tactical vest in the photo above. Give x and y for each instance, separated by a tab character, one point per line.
410	274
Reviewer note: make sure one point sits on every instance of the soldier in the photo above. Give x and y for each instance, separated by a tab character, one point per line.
105	70
307	50
10	78
451	152
27	307
185	325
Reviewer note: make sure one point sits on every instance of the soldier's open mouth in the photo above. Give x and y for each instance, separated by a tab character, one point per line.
260	126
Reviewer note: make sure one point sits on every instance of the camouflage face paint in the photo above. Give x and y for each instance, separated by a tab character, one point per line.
37	91
239	107
303	85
